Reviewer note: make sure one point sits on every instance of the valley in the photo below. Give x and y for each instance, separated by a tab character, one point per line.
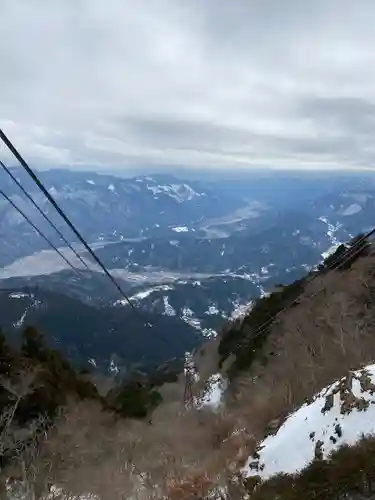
193	253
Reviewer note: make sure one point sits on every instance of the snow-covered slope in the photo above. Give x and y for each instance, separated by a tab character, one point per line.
179	192
340	414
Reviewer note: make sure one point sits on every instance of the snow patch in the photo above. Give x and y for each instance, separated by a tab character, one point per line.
142	294
179	192
174	243
352	209
213	394
209	333
187	312
89	181
113	368
21	321
189	317
111	187
331	230
331	250
212	310
19	295
183	192
180	229
168	309
241	310
263	293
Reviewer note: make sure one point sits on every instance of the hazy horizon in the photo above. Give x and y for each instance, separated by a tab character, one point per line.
209	174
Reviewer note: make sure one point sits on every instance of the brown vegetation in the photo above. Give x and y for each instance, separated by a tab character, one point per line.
20	444
348	473
329	332
182	453
94	451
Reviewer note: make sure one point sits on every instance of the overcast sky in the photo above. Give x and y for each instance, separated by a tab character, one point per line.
195	83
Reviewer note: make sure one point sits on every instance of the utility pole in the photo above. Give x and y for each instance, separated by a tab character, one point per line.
190	375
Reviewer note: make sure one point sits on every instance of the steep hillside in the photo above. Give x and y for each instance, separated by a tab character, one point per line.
246	342
274	393
279	357
339	414
348	473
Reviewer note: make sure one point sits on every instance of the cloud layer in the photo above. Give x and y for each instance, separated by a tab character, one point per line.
213	83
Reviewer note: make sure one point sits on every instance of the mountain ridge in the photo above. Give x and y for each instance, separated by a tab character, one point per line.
83	332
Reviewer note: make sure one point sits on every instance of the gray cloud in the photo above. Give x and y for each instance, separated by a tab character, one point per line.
216	84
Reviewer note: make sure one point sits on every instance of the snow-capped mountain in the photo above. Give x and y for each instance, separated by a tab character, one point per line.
163	211
106	208
340	414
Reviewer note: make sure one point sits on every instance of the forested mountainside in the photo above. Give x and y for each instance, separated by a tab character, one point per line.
105	338
294	375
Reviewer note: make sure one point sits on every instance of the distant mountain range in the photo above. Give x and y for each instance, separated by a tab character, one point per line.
189	254
107	208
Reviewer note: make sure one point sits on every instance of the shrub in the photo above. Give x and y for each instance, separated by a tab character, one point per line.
347	473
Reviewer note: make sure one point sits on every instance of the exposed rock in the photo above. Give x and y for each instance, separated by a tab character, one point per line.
318	450
328	403
274	425
254	465
338	430
366	384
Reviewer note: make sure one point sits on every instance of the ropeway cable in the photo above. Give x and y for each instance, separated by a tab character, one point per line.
9	200
37	181
30	198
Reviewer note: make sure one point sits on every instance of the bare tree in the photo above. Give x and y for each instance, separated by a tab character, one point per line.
19	445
